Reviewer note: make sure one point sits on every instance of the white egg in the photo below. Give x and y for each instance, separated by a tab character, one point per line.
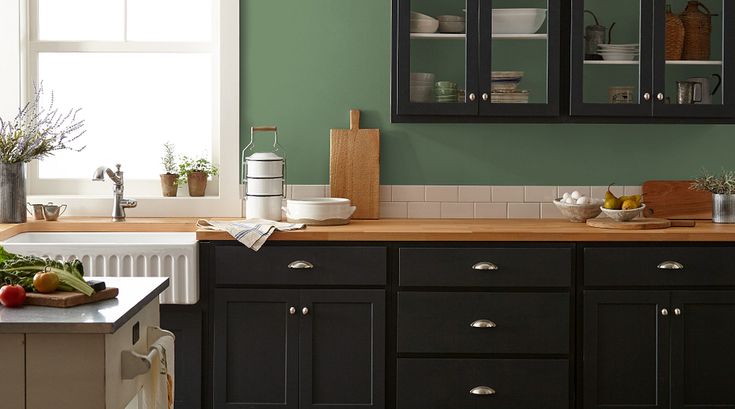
565	195
576	195
569	200
583	200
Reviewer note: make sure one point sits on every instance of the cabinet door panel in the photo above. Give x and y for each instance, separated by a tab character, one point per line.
626	350
185	321
703	350
342	349
256	349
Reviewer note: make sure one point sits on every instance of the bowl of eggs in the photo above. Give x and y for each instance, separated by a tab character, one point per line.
577	207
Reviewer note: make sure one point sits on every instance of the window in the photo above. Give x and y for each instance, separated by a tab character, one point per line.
144	72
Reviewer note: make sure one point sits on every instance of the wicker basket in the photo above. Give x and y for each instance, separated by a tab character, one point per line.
697	31
674	35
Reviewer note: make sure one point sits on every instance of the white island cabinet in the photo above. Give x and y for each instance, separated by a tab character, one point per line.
72	358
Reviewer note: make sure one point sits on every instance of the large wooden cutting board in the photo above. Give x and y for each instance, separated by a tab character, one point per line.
63	299
672	199
641	223
354	167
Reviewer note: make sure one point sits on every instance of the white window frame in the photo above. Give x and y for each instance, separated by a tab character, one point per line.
85	198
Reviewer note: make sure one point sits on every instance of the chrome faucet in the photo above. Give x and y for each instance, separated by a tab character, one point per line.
119	203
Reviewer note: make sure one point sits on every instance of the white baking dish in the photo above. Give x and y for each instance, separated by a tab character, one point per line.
319	211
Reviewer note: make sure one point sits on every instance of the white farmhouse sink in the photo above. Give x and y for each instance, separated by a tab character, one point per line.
172	255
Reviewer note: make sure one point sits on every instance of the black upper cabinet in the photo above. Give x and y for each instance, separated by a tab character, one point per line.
429	66
644	83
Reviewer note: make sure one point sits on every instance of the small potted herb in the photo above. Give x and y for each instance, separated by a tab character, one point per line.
170	179
195	173
722	187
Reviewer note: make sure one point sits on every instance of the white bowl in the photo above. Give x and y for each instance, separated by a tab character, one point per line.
264	186
623	215
450	18
419	16
424	26
451	26
579	213
263	207
615	56
264	165
518	21
332	210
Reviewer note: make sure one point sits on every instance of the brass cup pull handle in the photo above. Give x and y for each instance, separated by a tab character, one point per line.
483	324
482	390
670	265
300	265
484	265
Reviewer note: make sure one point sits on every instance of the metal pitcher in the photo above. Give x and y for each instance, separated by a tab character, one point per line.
595	35
706	91
686	92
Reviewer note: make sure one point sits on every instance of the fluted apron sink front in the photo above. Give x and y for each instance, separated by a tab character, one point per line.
172	255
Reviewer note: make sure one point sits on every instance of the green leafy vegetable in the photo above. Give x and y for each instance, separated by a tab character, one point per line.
17	269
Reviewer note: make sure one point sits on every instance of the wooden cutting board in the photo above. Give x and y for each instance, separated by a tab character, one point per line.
63	299
354	167
643	223
673	199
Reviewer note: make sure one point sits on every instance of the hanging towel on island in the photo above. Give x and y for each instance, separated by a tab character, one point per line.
158	389
251	232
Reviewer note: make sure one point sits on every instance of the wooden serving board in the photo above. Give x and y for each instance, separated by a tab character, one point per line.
642	223
673	199
354	167
64	299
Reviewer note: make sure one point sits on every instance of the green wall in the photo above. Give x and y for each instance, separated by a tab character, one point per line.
305	63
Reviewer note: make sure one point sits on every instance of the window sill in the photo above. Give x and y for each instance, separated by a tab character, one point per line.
148	206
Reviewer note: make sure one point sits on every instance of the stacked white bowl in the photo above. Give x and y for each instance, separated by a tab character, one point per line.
422	86
421	23
264	186
618	52
451	24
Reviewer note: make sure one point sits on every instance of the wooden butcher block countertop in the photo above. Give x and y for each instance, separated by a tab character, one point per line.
398	230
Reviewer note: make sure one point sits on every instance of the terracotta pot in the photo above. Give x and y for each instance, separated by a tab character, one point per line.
169	185
197	182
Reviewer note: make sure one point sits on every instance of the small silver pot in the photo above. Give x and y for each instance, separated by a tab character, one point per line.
723	208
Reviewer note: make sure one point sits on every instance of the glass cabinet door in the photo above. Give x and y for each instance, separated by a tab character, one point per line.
519	57
437	57
692	64
611	48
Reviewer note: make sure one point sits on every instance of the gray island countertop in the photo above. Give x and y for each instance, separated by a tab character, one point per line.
103	317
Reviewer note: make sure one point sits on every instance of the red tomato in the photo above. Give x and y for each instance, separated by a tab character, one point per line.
12	295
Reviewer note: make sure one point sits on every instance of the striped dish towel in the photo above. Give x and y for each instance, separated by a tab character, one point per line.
252	232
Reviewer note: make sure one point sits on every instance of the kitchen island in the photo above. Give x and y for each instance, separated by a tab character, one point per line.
71	357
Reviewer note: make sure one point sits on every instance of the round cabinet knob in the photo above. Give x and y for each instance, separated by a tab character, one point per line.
677	311
292	311
664	312
647	96
472	96
305	311
485	96
660	96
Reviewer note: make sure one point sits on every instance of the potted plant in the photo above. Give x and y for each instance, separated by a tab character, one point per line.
35	133
195	173
170	179
722	187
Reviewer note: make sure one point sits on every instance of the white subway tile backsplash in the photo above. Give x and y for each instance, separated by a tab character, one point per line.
408	193
393	210
491	210
457	210
475	194
307	191
441	193
504	194
524	211
549	211
385	193
424	210
540	194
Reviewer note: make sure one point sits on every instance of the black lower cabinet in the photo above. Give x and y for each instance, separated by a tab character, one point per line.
659	349
299	349
703	350
185	322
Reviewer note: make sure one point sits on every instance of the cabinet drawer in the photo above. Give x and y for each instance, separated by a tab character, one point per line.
443	322
486	267
645	266
321	265
518	384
